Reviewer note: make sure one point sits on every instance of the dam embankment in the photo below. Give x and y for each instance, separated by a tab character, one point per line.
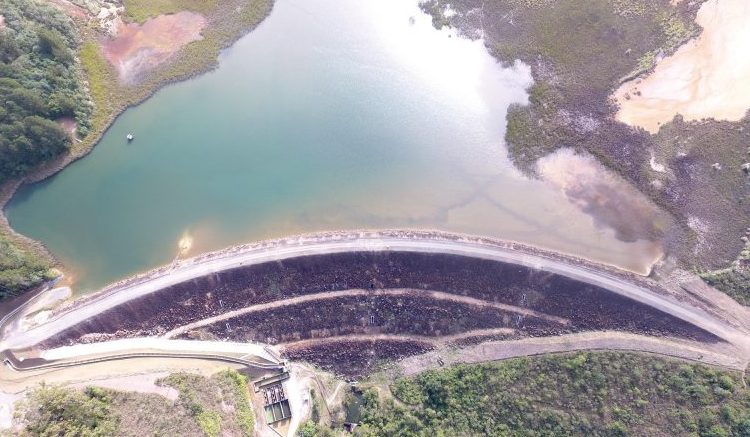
534	302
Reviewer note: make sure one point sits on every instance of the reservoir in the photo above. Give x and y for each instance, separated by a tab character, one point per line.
332	114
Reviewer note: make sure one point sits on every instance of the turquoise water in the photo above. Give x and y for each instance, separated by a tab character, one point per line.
332	114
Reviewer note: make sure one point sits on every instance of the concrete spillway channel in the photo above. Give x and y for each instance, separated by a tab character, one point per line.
35	364
245	355
347	300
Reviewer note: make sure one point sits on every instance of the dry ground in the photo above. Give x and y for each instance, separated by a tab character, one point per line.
706	78
139	48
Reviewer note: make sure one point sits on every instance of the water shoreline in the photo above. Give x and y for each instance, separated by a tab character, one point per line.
370	234
158	79
330	243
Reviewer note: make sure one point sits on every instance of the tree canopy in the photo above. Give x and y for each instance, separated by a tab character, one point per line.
40	84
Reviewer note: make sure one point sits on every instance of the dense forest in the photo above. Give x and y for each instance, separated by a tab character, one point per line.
588	393
40	85
19	269
604	394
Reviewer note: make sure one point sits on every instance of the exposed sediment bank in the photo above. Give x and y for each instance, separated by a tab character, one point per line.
138	49
706	78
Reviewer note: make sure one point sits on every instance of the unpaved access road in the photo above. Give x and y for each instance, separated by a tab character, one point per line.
14	337
437	295
502	350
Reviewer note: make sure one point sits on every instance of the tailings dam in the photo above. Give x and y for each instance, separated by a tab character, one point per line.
351	300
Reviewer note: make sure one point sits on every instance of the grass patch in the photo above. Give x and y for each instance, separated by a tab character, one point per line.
102	84
205	407
714	203
236	384
219	404
188	385
735	280
597	394
141	10
148	414
210	422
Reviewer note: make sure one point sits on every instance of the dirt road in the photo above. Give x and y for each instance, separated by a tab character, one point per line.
437	295
500	350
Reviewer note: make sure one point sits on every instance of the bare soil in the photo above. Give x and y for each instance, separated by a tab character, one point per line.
138	49
705	78
500	350
354	359
142	383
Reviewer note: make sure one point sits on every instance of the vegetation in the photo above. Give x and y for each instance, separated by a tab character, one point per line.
208	420
580	51
100	79
735	280
39	72
56	411
597	394
236	383
204	407
20	270
141	10
39	84
313	429
204	398
315	426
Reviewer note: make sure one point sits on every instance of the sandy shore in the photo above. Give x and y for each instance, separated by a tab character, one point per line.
706	78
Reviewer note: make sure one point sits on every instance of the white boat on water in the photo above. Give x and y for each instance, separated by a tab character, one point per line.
130	137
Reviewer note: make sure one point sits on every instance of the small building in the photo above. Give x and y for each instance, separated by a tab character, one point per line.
275	402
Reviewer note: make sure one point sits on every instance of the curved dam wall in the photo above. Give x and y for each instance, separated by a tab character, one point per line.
386	293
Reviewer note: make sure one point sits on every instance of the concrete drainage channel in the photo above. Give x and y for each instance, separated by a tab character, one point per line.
35	364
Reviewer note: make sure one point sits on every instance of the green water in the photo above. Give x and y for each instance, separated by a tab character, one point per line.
332	114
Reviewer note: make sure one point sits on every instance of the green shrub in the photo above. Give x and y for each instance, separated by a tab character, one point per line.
594	394
242	407
20	270
210	422
57	411
44	86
